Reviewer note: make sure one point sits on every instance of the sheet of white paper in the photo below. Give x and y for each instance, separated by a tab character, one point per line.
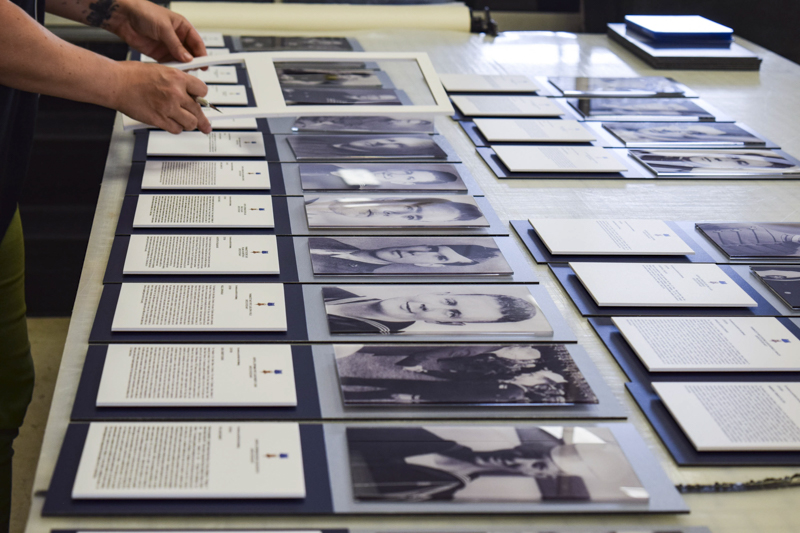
660	285
201	375
202	254
168	460
203	211
533	130
736	416
212	39
522	158
227	95
224	74
220	122
200	307
578	236
483	83
197	175
711	344
507	106
215	144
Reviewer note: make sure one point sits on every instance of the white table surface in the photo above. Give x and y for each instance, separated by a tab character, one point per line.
767	100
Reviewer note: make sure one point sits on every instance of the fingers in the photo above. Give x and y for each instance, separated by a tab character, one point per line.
170	39
202	122
192	40
195	86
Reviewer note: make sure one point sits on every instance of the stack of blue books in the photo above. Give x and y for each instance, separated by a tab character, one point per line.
683	42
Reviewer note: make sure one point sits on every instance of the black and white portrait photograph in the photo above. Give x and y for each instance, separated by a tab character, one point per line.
514	374
441	256
749	240
340	96
662	107
783	281
490	464
310	44
641	86
644	134
380	176
365	147
329	78
364	124
433	309
715	162
354	211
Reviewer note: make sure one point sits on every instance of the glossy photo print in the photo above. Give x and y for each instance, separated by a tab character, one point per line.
433	309
435	374
417	464
392	256
380	176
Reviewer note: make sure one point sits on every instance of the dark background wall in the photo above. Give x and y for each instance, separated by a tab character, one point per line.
60	194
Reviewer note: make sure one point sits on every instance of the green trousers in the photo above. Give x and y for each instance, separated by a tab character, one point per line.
16	365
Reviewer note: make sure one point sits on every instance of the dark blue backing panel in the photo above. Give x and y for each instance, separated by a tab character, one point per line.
136	175
682	449
541	254
587	306
501	171
119	250
295	320
637	371
140	149
85	410
280	215
318	498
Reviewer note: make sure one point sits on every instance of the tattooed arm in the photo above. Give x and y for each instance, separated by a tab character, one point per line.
151	29
33	59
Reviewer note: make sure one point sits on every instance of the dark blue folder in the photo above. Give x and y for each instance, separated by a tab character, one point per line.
295	318
541	254
587	306
318	500
119	249
276	184
85	409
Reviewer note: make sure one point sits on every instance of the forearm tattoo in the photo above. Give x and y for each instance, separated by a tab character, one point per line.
101	11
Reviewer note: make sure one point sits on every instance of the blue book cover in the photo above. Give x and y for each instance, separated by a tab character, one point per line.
676	28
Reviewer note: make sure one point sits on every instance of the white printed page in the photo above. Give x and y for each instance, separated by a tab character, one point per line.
200	307
202	254
167	460
700	344
533	130
482	83
215	144
507	106
201	175
226	95
577	236
166	375
217	74
721	417
660	285
521	158
203	211
212	39
220	122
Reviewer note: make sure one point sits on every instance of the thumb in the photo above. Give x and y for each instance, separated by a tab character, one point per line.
173	44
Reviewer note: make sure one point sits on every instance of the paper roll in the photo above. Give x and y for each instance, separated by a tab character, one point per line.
260	18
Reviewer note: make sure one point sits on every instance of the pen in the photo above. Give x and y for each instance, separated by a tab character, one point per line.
205	103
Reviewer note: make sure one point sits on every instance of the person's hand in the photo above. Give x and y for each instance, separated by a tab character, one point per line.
161	96
155	31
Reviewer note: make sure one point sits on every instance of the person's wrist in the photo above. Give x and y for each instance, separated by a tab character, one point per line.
118	74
